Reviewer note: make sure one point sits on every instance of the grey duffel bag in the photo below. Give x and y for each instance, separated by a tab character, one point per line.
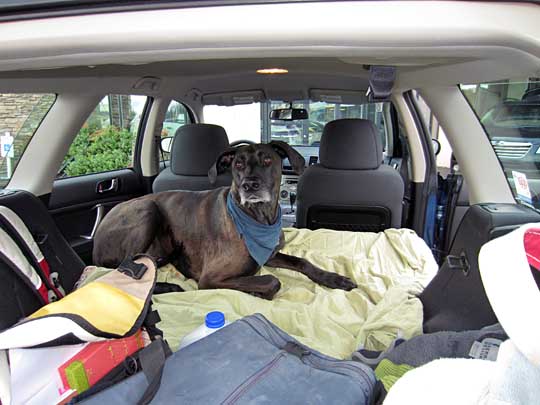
249	361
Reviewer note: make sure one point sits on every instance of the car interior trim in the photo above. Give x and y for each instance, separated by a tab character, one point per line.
474	152
152	130
418	163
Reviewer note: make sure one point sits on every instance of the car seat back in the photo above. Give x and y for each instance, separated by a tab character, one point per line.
31	245
350	189
194	150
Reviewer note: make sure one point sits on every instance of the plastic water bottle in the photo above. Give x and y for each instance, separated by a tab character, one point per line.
213	321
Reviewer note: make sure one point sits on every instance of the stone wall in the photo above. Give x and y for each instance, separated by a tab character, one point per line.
21	114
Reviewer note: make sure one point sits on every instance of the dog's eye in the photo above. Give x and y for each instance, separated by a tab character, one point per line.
239	165
267	161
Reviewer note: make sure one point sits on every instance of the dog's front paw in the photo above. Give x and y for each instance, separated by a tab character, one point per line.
271	284
334	280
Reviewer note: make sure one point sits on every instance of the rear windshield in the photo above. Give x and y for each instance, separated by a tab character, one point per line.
509	111
20	116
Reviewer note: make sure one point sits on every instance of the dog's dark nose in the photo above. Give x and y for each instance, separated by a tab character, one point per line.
251	184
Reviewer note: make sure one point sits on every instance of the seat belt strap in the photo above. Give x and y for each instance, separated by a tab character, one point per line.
14	257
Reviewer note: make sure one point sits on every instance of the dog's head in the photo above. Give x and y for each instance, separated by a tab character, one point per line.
256	170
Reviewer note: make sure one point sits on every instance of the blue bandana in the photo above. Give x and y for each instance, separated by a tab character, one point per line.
260	239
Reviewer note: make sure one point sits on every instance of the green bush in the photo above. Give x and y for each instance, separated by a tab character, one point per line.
98	150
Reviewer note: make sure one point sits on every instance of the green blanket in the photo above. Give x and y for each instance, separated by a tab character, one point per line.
390	268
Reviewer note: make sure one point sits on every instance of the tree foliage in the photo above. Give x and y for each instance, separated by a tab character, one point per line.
98	150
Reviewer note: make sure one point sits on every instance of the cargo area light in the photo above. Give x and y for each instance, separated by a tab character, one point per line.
272	71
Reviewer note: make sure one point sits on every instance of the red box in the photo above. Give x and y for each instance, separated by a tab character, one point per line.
95	360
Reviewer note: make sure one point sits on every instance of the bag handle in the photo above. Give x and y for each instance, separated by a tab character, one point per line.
152	360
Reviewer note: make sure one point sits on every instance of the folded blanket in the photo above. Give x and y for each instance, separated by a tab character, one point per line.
406	355
389	267
483	344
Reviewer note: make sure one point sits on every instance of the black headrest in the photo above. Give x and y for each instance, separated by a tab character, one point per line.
350	144
196	147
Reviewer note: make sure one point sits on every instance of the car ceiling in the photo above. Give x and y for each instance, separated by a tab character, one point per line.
200	51
16	10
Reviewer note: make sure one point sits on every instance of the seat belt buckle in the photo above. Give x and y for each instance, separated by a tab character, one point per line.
52	296
132	269
55	281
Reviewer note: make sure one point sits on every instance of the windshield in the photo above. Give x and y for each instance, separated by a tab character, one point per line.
308	132
509	111
252	122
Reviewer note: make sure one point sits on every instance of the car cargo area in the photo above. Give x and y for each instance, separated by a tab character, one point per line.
240	202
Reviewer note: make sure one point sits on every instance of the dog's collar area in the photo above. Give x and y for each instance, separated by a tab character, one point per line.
260	239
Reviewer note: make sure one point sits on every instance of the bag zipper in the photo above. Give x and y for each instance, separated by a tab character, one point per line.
253	379
311	358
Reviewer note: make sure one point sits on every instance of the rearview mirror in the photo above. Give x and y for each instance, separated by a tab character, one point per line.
166	144
289	114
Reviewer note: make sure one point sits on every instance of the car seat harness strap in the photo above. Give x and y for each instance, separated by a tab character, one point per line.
17	230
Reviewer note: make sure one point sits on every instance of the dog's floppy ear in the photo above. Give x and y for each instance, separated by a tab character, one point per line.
223	162
284	150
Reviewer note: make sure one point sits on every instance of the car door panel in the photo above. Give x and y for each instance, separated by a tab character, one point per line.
455	299
78	204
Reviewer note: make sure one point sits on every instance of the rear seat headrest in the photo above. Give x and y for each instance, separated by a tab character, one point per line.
350	144
196	147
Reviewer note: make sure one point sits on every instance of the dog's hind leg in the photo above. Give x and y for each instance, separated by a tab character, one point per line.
128	229
319	276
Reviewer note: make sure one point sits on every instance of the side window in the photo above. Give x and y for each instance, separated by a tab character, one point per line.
509	111
107	139
20	116
176	116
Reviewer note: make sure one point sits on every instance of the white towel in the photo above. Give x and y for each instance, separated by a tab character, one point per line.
511	380
515	380
5	387
443	382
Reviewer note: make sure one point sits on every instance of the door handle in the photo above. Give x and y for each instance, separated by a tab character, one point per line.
106	186
100	211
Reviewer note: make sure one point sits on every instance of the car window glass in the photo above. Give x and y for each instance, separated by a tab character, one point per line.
308	132
176	116
509	111
252	122
107	139
241	122
20	116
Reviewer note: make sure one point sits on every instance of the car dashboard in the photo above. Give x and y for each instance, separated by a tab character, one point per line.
289	182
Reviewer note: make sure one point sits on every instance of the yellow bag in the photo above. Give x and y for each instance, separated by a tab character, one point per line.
112	306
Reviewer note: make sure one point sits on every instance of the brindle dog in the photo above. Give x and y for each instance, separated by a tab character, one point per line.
195	232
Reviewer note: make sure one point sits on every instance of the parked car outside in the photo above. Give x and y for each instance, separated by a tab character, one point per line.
514	129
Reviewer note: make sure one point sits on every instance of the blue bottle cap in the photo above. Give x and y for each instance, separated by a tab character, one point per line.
214	319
